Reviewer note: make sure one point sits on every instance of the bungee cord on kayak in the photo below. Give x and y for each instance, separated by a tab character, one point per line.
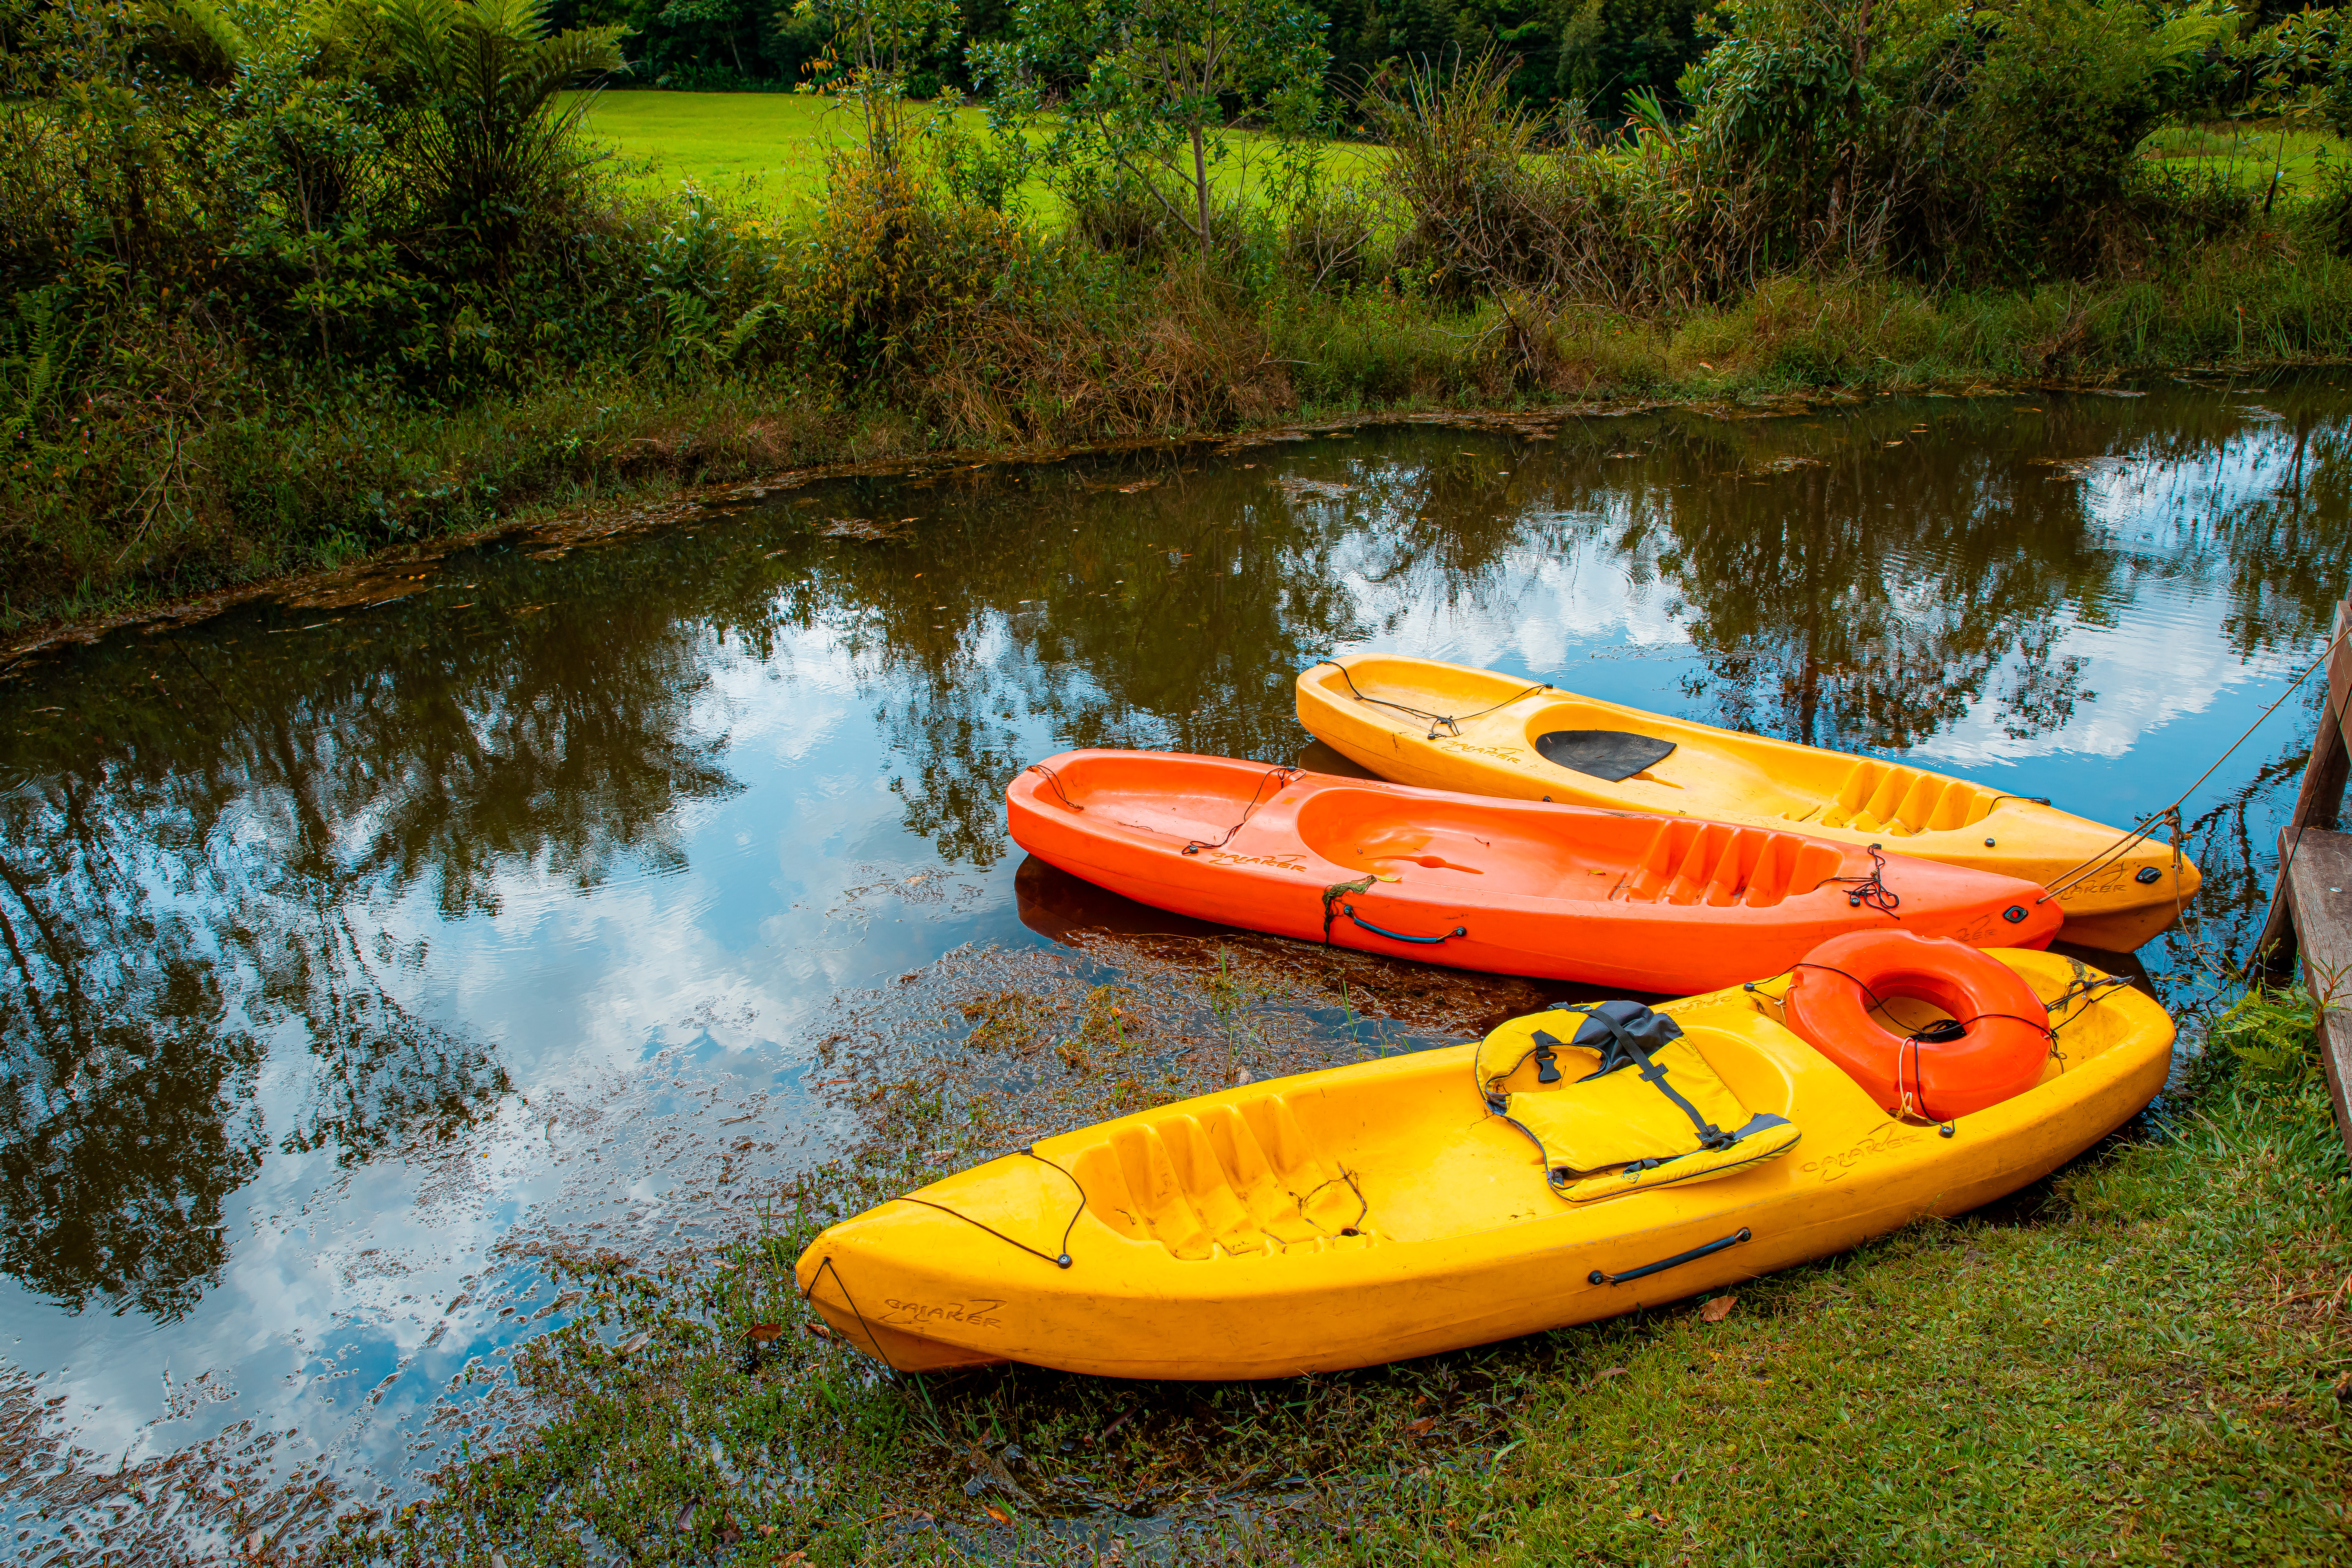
1054	779
1452	722
1869	890
1194	845
1058	1259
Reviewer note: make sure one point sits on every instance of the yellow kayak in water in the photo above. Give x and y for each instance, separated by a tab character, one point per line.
1573	1165
1447	726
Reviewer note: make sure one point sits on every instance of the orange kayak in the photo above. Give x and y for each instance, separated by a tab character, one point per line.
1513	887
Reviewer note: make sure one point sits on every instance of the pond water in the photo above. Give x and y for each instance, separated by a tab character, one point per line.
352	953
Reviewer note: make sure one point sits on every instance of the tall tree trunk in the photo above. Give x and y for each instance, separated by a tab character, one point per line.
1201	186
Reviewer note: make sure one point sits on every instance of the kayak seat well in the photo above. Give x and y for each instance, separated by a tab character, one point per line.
1617	1099
1692	862
1511	850
1885	797
1236	1178
1186	799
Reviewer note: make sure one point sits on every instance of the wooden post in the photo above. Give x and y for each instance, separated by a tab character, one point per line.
2318	804
2311	905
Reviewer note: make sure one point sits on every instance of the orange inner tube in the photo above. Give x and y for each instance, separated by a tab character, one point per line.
1836	1003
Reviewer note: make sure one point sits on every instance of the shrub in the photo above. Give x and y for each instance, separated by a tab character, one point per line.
2327	215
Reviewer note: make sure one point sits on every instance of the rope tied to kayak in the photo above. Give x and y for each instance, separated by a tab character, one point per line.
1054	779
1257	798
824	1267
1059	1260
1334	893
1452	722
1869	890
1943	1031
1335	904
2145	828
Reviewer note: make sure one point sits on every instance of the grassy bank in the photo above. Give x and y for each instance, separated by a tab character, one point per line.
2142	1360
123	525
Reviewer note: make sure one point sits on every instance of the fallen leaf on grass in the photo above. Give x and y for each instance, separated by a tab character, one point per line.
1714	1311
635	1341
819	1329
762	1333
998	1514
1610	1372
1424	1424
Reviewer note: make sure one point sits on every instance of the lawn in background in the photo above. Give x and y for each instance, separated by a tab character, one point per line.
769	150
2248	151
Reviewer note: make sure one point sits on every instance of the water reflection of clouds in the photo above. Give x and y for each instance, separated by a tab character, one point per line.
2144	498
1543	611
2170	658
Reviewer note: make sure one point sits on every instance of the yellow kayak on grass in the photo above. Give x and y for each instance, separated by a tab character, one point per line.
1447	726
1457	1196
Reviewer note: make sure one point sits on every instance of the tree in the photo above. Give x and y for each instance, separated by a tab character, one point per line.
1141	89
876	47
486	73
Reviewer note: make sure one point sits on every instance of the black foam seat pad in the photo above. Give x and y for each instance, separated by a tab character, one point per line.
1611	755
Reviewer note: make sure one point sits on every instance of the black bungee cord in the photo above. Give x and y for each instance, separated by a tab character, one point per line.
1257	798
1054	779
1869	890
1059	1260
1452	722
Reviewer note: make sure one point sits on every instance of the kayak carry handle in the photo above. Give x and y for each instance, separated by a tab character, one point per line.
1693	1256
1350	910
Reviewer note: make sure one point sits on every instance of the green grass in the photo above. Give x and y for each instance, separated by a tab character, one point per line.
2141	1360
770	150
2247	152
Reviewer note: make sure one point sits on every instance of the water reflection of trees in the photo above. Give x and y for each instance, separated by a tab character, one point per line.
125	1115
1845	581
1856	602
204	862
